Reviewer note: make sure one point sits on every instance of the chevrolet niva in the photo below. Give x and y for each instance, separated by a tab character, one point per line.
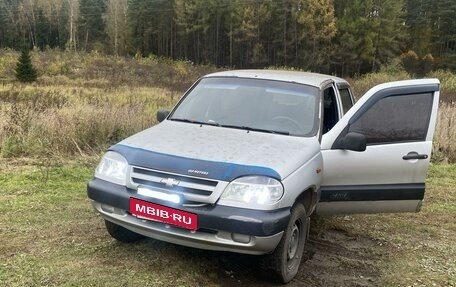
245	157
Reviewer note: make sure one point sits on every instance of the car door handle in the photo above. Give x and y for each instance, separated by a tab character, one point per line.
414	155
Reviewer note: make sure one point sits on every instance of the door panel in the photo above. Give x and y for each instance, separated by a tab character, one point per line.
398	120
379	164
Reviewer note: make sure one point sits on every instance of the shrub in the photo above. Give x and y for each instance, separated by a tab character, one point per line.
410	61
427	63
416	66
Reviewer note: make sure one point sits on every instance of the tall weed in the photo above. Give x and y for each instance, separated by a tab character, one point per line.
47	121
448	82
362	84
445	133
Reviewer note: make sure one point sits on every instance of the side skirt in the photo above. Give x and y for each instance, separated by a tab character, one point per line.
385	198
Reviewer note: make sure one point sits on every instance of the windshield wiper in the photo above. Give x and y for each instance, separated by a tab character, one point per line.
210	123
256	129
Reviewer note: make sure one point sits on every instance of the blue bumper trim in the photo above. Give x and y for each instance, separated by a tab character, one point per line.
181	165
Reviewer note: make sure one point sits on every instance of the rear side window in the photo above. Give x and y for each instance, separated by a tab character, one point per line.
347	102
394	119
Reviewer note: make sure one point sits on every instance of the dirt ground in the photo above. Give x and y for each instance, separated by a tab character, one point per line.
332	258
72	247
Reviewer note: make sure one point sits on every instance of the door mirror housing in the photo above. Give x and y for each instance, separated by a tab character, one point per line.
351	141
161	115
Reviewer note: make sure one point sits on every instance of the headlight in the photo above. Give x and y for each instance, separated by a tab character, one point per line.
256	192
112	168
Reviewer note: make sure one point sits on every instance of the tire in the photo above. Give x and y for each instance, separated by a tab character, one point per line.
284	262
122	234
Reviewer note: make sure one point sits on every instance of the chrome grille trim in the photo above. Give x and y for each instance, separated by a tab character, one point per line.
194	189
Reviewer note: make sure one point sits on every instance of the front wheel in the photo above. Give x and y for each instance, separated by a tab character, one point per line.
285	260
122	234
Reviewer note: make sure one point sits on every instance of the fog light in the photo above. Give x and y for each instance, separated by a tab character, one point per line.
112	209
241	238
107	208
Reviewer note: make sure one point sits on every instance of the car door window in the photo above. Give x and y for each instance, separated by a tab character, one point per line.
346	99
395	119
330	112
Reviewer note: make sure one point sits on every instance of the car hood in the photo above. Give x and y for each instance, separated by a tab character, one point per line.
200	149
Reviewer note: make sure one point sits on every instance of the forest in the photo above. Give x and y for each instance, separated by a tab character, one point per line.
343	37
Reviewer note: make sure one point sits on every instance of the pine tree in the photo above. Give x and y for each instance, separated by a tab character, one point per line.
317	26
25	72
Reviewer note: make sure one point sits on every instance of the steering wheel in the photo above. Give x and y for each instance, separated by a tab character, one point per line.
289	122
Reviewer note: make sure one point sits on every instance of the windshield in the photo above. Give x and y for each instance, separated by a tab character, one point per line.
251	104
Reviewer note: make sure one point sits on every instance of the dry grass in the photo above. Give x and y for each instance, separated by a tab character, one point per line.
445	135
96	70
48	120
82	103
448	81
362	84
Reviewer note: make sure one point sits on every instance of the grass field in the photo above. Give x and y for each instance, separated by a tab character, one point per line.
52	133
50	236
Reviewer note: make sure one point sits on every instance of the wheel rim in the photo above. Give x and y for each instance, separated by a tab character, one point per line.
293	244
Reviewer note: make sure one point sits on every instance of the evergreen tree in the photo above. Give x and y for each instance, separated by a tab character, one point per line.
25	72
250	33
317	26
419	19
444	37
370	34
387	18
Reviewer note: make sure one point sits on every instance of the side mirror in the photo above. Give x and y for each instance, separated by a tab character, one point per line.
351	141
161	115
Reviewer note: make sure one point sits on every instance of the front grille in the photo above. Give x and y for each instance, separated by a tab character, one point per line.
182	184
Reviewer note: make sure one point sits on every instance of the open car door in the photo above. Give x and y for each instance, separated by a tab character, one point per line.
394	123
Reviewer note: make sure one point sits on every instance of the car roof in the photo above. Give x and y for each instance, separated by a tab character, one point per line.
306	78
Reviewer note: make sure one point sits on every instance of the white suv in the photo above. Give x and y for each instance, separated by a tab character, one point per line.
246	156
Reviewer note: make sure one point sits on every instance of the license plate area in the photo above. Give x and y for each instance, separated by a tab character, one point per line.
157	212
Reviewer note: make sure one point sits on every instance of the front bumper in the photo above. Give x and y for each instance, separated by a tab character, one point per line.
220	228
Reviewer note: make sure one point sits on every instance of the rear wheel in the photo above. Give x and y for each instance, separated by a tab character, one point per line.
285	260
122	234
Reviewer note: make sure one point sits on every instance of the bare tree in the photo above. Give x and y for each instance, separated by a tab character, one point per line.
117	24
73	9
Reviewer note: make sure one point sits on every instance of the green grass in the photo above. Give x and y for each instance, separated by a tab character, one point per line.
50	236
420	247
